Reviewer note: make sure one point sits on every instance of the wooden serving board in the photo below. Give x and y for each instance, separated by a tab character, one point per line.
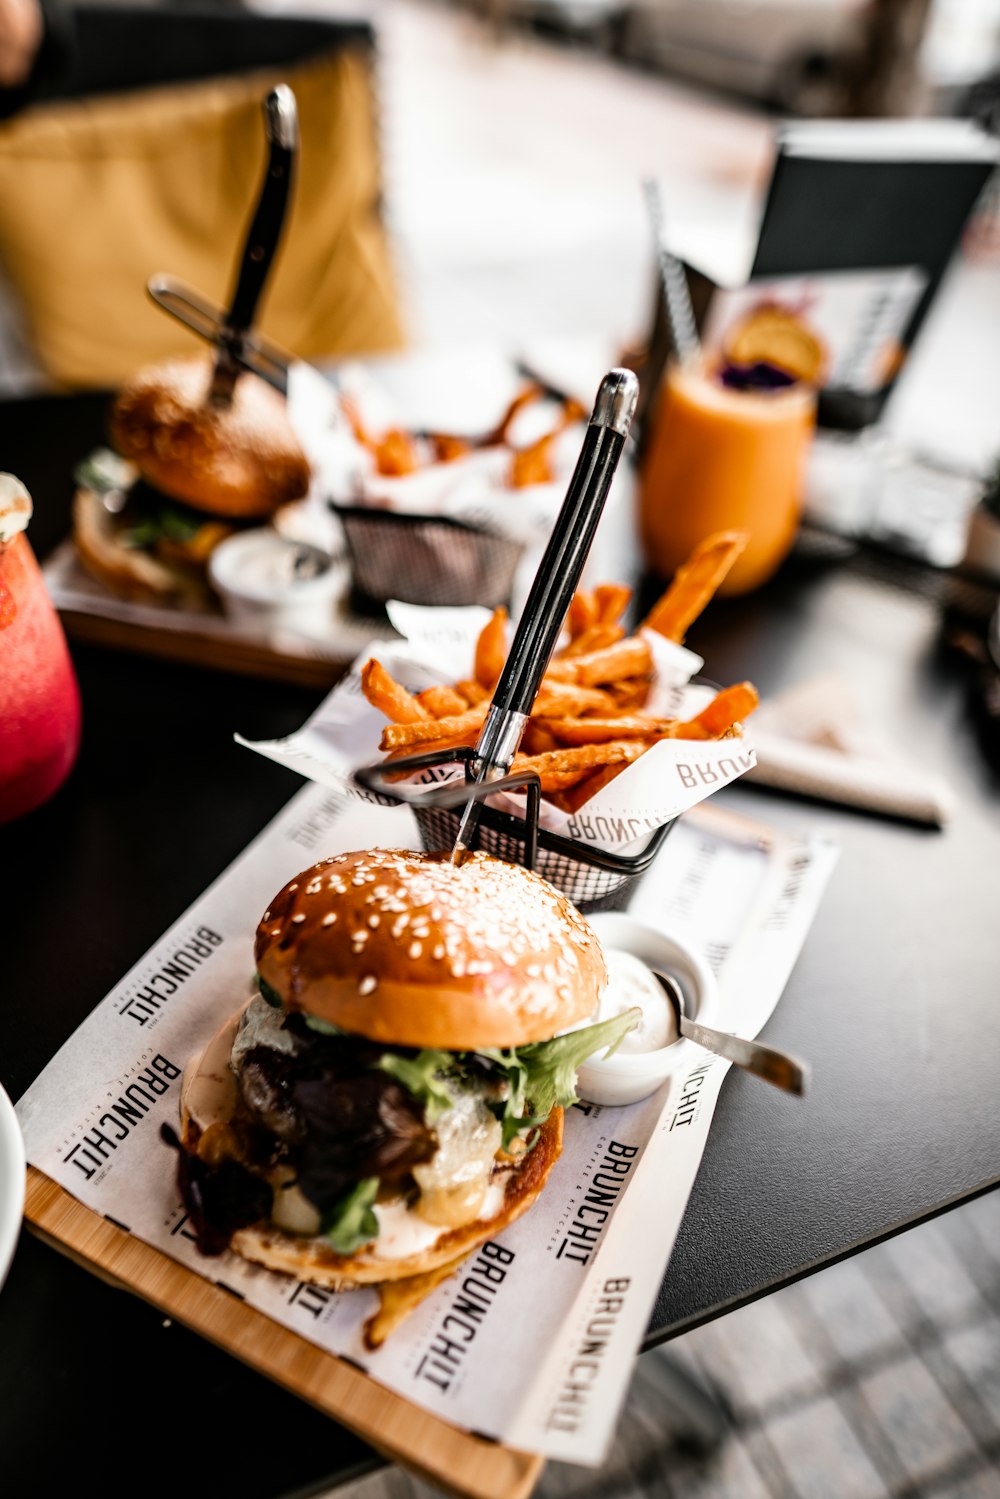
463	1465
191	638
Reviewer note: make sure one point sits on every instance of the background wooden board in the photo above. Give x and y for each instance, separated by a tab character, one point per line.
192	648
463	1465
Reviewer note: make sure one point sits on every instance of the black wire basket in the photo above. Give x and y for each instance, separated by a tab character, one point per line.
426	559
592	878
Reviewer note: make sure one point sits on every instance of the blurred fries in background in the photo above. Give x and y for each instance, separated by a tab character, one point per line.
397	451
586	723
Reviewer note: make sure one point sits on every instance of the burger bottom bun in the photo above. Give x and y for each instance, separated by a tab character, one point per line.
130	572
241	460
209	1097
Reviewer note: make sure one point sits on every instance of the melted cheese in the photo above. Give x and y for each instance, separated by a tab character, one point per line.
454	1182
402	1231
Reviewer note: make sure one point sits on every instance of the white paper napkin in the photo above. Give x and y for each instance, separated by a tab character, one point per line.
812	740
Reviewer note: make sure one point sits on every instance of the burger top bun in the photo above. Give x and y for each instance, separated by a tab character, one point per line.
240	460
414	950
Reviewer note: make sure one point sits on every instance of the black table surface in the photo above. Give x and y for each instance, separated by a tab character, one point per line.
893	999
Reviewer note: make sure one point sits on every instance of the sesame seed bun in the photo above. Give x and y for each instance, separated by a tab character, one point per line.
413	950
242	460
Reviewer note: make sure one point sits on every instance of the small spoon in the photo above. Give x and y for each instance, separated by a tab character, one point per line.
775	1067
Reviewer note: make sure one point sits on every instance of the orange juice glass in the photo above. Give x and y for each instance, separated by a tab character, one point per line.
723	459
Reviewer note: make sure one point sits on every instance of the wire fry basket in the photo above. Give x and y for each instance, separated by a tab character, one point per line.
592	878
426	559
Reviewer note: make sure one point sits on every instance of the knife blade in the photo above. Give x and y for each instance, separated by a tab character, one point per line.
261	355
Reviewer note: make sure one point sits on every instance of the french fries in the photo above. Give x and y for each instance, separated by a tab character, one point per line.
390	696
694	583
397	452
426	734
631	657
587	722
491	650
723	713
443	702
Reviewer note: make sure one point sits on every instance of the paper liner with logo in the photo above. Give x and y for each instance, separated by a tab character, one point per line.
494	1349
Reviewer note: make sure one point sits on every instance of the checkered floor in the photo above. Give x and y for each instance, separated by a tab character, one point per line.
878	1378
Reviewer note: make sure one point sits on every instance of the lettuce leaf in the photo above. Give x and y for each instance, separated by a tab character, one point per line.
543	1073
351	1222
272	996
420	1074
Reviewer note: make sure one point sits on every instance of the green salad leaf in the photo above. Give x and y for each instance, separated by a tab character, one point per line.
351	1222
167	522
543	1073
266	992
420	1075
322	1027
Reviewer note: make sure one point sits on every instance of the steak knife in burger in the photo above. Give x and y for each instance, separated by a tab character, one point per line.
192	472
392	1093
209	443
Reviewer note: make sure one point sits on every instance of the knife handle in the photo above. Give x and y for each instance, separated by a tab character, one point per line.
561	567
261	243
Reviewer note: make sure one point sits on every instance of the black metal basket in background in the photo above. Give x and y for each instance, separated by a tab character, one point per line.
426	559
592	878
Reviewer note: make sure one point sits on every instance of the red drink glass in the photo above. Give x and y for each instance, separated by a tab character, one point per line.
39	694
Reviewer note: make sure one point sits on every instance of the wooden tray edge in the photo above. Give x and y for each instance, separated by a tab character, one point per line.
400	1431
190	648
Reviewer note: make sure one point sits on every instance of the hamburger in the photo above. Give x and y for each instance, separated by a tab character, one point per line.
185	474
391	1094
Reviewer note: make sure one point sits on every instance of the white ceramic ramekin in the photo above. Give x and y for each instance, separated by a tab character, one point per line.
273	581
627	1077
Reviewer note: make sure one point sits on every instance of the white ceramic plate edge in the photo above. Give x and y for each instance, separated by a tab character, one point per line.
12	1165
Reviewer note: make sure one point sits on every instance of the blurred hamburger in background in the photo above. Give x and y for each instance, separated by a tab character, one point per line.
183	475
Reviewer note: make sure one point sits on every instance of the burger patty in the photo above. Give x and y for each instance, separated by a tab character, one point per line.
318	1113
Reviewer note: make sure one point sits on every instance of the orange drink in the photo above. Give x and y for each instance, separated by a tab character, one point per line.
720	459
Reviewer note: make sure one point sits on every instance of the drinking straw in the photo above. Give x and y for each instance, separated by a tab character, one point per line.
673	283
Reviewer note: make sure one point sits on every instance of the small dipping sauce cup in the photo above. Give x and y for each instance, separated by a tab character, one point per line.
272	581
654	1051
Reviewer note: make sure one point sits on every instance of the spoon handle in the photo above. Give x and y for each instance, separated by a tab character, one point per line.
775	1067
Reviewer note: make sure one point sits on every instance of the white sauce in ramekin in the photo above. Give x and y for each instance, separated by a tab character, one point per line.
632	985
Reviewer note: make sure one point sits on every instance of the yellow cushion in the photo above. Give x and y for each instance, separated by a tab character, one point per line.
98	195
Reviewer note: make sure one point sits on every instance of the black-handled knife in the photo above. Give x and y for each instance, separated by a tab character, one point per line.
281	127
549	598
